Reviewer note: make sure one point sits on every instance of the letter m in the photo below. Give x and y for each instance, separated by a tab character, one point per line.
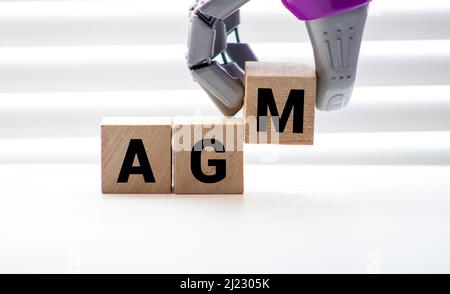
295	104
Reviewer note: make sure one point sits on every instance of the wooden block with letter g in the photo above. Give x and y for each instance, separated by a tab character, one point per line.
279	103
208	156
136	155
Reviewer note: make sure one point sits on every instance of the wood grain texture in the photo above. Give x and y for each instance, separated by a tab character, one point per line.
156	137
188	132
281	78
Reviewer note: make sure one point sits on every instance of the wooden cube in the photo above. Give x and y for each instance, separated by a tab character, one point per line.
279	103
208	156
136	155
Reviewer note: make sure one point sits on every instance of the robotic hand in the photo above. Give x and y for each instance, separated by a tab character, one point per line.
335	28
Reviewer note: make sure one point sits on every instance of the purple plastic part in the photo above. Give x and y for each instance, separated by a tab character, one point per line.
314	9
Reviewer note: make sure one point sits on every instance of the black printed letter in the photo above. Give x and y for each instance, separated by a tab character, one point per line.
220	164
136	148
295	103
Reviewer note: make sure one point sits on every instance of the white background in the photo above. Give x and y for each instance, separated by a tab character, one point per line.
371	196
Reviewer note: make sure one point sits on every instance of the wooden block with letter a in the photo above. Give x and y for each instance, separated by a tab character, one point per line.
279	103
208	156
136	155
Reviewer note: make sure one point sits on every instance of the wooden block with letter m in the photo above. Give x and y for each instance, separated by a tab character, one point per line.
279	104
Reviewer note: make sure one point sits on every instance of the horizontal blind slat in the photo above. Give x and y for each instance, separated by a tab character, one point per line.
379	109
108	68
60	23
411	148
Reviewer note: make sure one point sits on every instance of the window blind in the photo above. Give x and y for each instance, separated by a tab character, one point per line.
66	64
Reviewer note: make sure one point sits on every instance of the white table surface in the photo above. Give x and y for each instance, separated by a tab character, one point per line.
292	219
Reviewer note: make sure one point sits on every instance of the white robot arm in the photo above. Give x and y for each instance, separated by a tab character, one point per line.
335	28
211	22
